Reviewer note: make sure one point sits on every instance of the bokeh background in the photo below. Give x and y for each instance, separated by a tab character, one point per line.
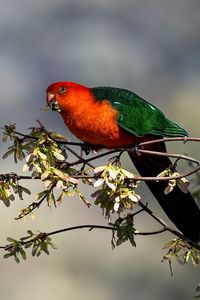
149	46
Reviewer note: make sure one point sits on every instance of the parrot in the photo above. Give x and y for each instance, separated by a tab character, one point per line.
112	118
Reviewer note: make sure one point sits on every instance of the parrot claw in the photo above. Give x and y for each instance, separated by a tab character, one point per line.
85	147
135	150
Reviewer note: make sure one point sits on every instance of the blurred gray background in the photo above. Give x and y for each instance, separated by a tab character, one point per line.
149	46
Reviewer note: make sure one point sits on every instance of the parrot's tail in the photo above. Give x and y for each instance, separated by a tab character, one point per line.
180	207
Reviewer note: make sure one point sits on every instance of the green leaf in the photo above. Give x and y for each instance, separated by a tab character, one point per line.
23	253
42	155
8	153
58	155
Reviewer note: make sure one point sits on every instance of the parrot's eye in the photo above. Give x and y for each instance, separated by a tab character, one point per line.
62	90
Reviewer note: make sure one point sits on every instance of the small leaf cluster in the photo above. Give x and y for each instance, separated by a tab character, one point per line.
183	183
182	252
38	242
46	159
123	230
117	192
9	187
197	297
46	153
36	147
20	145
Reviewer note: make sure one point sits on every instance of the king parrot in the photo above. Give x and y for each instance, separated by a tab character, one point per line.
109	117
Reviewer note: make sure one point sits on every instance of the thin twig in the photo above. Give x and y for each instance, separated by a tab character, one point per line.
175	139
86	161
109	152
81	159
166	227
90	227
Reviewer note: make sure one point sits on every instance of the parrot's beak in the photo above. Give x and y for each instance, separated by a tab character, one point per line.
52	102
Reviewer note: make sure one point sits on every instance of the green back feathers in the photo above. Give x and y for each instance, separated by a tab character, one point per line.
137	115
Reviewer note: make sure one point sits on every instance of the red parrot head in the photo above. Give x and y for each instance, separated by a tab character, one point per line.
54	94
60	95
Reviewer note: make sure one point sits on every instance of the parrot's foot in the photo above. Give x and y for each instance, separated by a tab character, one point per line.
135	150
86	148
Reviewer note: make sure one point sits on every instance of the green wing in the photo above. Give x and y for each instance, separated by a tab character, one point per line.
137	115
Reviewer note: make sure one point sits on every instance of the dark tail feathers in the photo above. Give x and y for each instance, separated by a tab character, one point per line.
180	207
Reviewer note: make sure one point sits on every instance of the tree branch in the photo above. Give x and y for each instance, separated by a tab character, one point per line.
166	227
89	226
88	161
